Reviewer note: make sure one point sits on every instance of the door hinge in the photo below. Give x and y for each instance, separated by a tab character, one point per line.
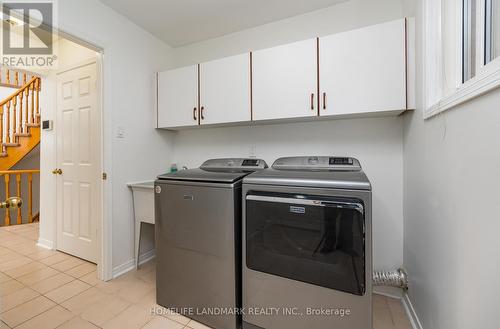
104	176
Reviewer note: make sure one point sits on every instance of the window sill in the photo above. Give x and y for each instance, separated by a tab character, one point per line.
483	83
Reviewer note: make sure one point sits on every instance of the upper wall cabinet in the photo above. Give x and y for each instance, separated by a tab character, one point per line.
284	81
178	97
225	90
363	70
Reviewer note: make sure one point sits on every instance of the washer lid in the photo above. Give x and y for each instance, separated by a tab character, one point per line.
201	175
226	171
320	172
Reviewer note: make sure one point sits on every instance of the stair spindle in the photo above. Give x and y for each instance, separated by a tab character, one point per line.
25	77
14	117
22	115
7	76
7	195
37	100
30	197
26	92
32	90
18	183
16	78
7	124
1	127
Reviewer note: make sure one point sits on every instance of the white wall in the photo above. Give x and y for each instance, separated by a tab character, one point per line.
451	203
6	92
71	53
341	17
376	142
131	58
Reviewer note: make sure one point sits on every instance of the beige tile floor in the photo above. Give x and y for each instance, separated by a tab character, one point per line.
41	289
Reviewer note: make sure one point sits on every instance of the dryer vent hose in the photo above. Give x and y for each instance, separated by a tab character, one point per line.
397	278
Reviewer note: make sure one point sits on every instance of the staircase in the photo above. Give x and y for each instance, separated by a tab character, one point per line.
19	116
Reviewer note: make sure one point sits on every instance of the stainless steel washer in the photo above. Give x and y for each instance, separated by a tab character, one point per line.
198	240
307	255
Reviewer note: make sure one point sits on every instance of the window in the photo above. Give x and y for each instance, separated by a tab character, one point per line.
462	51
492	32
469	40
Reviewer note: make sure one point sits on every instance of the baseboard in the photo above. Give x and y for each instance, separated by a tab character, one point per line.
410	311
390	292
123	268
44	243
147	256
130	264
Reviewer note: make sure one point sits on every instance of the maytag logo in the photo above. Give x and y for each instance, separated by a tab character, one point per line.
28	34
297	210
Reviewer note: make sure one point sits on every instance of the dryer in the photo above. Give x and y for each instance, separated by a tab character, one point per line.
307	245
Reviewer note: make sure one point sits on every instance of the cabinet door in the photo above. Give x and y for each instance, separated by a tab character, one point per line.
178	97
363	70
284	81
225	90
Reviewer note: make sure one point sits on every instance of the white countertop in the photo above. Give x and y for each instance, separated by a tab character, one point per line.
145	184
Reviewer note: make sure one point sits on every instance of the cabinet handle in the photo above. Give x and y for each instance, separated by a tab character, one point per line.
312	101
194	114
202	117
324	101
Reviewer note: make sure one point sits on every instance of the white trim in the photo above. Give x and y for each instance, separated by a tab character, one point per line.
77	65
391	293
123	268
147	256
130	264
105	267
437	94
44	243
410	312
105	259
482	83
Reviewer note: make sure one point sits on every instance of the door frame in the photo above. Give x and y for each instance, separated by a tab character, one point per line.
104	226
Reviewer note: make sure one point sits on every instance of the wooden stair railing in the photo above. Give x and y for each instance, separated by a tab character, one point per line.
14	78
18	176
20	117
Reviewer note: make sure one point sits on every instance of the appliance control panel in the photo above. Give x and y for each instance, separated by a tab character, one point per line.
235	163
328	163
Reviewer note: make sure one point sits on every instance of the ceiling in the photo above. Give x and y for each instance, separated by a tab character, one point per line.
181	22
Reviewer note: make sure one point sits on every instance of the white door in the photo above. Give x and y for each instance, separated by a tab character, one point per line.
225	90
285	81
178	97
78	134
363	70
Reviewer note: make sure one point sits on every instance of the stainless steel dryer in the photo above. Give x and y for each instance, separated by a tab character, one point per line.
198	240
307	255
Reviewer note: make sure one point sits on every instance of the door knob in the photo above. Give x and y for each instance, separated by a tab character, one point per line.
57	171
14	202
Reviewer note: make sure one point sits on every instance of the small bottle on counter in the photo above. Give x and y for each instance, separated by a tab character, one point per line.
173	167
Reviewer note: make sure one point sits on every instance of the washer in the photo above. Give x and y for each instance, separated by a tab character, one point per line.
198	240
307	255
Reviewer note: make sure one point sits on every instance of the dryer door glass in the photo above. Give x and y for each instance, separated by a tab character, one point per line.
314	239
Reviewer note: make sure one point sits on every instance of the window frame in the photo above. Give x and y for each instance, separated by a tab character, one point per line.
443	62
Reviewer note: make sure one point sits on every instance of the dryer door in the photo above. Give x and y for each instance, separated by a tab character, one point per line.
314	239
